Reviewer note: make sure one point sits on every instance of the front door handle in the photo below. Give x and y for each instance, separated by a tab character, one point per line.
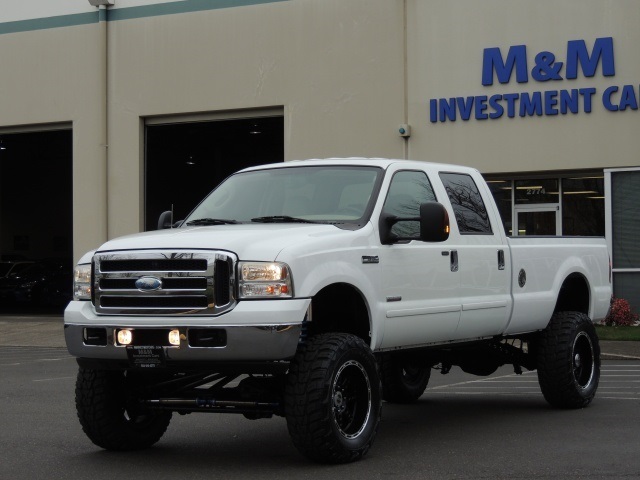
454	260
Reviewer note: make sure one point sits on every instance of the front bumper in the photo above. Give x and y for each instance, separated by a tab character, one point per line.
255	331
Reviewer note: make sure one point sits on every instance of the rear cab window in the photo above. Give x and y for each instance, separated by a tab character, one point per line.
467	203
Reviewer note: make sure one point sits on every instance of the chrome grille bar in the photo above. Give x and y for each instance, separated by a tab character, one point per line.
155	282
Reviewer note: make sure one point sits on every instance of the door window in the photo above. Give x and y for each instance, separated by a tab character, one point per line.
407	191
468	206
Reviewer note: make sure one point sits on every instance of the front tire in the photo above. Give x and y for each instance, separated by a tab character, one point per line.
109	412
569	360
333	398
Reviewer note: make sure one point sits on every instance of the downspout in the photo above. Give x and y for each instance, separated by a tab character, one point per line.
103	22
405	74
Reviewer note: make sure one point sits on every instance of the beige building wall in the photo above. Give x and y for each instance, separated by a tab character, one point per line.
54	78
336	67
445	50
345	74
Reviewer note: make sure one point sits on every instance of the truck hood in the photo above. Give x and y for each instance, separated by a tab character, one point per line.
248	241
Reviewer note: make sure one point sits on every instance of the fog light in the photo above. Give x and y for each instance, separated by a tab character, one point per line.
125	337
174	337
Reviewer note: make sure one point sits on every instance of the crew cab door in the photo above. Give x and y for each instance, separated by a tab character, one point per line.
419	281
484	268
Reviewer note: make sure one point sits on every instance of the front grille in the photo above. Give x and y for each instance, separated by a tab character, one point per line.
170	283
222	273
164	283
108	301
155	265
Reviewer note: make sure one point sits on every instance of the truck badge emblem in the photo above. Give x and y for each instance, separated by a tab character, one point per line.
148	284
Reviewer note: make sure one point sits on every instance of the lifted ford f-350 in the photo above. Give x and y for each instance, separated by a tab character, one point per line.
316	289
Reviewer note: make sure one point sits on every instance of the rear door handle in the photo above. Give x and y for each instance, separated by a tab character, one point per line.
500	259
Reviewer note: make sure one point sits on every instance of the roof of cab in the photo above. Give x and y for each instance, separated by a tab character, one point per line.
374	162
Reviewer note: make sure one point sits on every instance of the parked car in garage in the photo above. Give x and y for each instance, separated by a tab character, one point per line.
7	268
47	282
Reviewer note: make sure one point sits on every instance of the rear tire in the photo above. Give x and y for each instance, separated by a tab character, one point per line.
110	414
405	377
569	360
333	398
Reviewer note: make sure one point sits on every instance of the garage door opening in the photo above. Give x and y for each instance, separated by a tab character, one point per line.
36	219
185	161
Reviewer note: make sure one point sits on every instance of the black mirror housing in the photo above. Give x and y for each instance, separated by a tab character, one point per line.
434	225
165	220
434	222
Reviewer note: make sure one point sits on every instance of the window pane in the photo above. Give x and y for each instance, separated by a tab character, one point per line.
468	207
536	223
537	191
317	193
583	206
625	212
407	191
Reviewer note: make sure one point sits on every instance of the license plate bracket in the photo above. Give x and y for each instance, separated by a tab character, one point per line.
146	356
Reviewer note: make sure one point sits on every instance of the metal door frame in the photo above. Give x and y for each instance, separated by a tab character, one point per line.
533	208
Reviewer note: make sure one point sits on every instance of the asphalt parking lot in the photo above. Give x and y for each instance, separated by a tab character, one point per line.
463	427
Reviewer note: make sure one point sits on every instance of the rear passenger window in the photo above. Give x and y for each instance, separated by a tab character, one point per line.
407	191
468	206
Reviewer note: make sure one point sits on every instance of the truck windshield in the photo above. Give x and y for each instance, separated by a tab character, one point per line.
322	194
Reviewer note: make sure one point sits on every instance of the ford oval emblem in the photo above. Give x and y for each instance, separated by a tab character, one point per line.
147	284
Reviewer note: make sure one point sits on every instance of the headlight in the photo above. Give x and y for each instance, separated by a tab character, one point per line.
82	282
264	280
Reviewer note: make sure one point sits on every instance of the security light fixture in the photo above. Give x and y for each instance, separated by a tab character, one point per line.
98	3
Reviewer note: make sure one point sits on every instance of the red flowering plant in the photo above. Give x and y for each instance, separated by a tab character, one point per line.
620	314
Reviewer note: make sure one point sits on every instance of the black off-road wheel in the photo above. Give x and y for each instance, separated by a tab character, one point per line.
404	376
110	413
569	360
333	398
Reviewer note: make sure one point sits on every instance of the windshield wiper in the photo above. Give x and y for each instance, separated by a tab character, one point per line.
281	219
211	221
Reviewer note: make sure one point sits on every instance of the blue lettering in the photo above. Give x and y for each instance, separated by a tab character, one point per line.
511	103
465	107
530	104
433	110
628	99
587	93
577	54
546	67
606	99
481	106
550	102
492	61
569	101
498	109
447	110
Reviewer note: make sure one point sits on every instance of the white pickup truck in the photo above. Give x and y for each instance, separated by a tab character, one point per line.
316	289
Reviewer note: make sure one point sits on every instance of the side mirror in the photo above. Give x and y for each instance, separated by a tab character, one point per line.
165	220
434	224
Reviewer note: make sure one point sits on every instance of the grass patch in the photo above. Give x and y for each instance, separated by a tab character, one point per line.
618	333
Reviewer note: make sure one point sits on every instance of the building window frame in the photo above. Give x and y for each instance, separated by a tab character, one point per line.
608	174
509	182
